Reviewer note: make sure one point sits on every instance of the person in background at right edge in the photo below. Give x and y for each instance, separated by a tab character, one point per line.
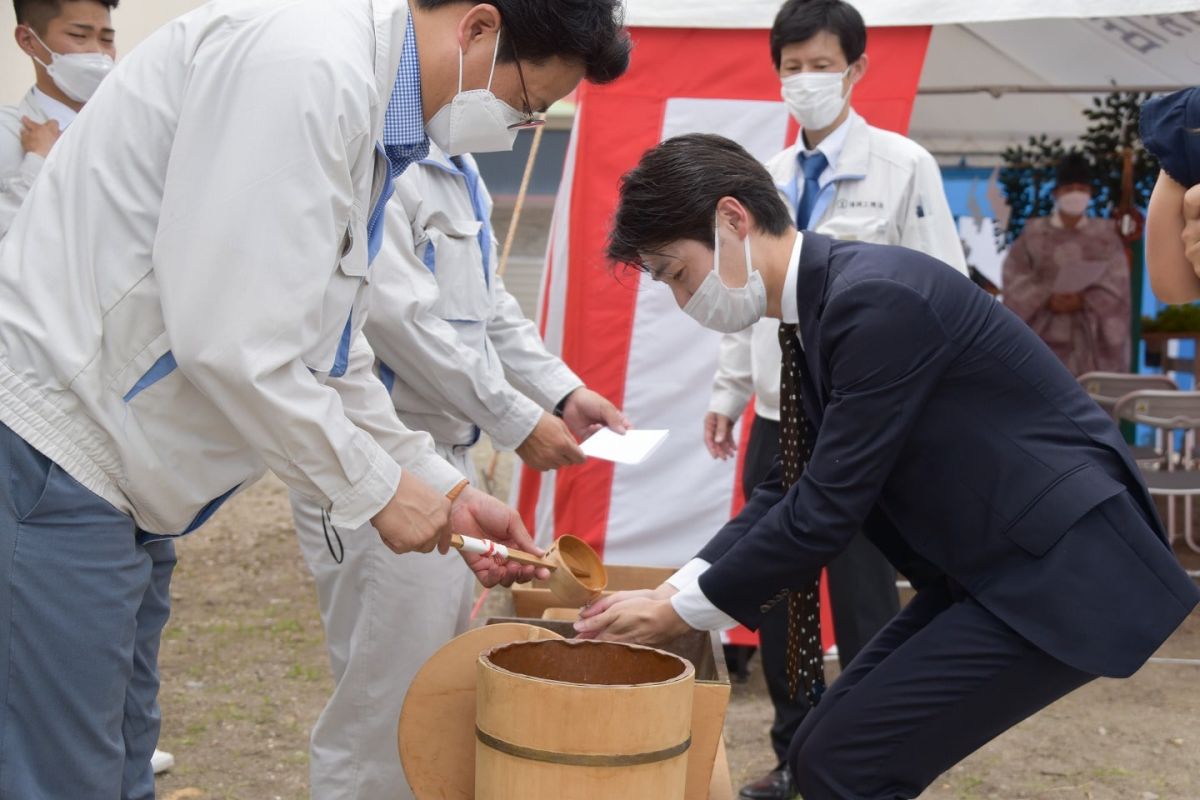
1171	132
851	181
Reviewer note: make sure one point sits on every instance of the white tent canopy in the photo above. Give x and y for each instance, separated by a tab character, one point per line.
760	13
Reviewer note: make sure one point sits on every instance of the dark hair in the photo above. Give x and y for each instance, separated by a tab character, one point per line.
1073	168
800	20
588	31
37	13
672	194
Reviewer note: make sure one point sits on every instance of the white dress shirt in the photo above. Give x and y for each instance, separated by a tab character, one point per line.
690	603
56	110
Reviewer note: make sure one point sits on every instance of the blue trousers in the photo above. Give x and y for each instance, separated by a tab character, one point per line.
82	608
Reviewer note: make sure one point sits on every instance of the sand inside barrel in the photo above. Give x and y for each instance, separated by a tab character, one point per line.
588	663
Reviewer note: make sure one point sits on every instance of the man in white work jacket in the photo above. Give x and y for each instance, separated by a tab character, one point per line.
181	304
72	45
459	359
851	181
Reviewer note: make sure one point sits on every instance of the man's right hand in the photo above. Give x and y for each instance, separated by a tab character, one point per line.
417	518
39	138
1191	226
718	435
550	446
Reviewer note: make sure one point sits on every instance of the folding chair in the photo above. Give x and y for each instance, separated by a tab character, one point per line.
1106	388
1176	474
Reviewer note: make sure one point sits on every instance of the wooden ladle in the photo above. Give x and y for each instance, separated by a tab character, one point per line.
486	547
577	575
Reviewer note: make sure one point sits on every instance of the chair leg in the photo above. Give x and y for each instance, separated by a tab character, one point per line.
1171	519
1189	535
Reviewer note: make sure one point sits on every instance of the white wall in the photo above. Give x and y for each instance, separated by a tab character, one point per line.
133	19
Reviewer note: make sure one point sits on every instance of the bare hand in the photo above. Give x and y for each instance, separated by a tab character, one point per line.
664	592
638	619
484	517
39	138
550	446
718	436
587	412
1191	226
1066	303
417	518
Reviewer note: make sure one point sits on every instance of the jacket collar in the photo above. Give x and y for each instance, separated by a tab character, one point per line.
851	164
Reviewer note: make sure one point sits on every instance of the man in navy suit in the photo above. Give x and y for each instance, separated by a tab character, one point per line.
950	435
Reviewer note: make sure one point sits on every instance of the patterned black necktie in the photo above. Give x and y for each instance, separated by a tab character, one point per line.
805	657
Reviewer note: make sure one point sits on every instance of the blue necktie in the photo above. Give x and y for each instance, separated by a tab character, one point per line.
812	166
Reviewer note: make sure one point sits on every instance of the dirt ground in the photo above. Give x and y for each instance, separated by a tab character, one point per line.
245	676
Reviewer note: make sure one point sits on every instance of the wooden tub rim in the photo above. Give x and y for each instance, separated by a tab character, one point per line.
688	671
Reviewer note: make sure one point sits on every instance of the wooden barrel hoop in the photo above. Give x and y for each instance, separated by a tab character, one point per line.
582	759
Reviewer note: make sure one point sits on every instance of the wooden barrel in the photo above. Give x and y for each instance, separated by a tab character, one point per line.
577	720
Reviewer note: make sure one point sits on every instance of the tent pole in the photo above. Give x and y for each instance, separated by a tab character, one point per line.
1000	90
515	222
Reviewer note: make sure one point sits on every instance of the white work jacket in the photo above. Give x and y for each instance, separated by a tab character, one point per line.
886	189
182	294
18	169
453	347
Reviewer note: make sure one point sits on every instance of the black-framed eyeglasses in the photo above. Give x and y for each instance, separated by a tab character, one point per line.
531	120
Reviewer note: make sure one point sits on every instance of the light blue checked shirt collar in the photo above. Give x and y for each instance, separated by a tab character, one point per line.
404	138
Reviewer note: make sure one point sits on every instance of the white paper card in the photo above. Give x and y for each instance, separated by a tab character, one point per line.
632	448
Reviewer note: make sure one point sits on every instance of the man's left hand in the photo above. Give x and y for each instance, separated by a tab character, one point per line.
484	517
635	618
586	412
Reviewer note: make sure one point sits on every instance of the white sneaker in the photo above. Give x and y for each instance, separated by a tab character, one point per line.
161	761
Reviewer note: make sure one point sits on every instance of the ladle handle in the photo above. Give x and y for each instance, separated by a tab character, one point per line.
486	547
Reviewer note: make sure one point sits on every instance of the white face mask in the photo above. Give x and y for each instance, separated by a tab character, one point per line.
1074	204
475	121
78	75
815	98
720	308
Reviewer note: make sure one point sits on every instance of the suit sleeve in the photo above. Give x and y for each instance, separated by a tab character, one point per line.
762	499
929	224
886	351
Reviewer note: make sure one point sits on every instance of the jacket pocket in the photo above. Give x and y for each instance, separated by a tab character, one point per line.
1047	518
342	308
454	256
856	228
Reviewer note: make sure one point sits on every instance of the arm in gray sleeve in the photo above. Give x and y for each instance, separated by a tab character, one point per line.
366	404
530	367
426	352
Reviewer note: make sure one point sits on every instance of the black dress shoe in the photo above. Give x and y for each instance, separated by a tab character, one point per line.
775	785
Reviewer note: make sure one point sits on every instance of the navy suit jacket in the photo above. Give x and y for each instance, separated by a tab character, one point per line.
951	436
